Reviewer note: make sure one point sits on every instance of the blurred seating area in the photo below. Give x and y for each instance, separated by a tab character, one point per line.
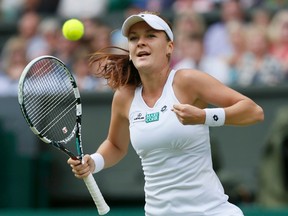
241	43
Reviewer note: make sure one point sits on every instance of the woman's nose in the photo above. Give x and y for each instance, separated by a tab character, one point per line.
141	41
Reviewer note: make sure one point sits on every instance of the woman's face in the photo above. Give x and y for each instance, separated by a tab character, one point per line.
148	47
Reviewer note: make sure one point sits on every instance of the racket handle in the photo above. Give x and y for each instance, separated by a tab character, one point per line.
96	194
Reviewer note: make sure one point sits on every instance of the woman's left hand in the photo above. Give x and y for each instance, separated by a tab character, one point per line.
188	114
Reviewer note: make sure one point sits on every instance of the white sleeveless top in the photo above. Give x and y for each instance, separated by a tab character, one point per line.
176	160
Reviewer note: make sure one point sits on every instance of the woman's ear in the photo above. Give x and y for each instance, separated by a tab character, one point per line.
170	48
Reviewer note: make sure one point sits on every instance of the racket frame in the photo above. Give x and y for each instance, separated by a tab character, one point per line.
76	131
90	182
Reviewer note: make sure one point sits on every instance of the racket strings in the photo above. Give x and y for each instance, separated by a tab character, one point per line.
53	104
57	119
50	101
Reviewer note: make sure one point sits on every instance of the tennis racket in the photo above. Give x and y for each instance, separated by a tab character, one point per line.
50	103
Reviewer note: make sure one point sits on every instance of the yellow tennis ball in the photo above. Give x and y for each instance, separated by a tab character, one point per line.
73	29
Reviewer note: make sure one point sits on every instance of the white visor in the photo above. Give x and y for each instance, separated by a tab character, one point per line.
152	20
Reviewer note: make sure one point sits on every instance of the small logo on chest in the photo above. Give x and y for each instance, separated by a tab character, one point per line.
138	117
164	108
152	117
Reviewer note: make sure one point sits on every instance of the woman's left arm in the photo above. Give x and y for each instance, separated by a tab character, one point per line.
243	112
239	109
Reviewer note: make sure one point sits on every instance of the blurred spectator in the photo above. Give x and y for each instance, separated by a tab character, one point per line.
186	23
257	65
82	9
189	22
260	17
91	25
236	33
195	58
158	5
101	38
28	29
278	32
96	34
50	31
11	10
216	40
81	71
199	6
13	62
66	50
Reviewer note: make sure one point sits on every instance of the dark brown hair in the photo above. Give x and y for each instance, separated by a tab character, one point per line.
113	64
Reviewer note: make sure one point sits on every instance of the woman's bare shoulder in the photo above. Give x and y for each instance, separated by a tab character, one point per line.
185	77
188	74
189	85
124	93
123	98
192	78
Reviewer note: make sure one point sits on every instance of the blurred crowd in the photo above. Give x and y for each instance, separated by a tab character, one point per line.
239	42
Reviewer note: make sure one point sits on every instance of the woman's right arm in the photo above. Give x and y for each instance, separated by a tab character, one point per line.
115	146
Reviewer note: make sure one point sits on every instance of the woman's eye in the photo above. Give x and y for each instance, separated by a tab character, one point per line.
132	38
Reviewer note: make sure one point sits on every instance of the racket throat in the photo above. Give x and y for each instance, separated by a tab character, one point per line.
65	150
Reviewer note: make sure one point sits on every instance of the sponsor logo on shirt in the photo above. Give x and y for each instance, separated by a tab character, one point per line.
152	117
138	117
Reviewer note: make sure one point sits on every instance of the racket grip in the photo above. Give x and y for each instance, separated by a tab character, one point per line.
96	194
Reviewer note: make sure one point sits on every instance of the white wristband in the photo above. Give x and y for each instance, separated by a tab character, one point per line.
215	117
98	161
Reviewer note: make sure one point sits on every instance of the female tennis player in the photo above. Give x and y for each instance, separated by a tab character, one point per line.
164	114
